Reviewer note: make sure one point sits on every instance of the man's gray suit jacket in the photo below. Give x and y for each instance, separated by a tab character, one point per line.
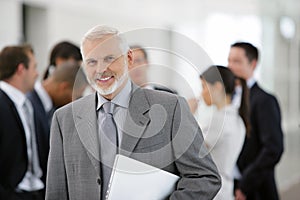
159	130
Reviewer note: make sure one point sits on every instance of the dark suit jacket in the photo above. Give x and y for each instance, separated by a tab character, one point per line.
158	130
263	149
13	149
42	130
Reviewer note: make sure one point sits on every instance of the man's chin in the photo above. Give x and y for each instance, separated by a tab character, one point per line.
105	91
110	89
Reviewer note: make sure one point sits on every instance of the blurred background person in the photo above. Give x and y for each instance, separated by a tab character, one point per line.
66	83
138	73
140	66
21	160
263	149
224	135
62	52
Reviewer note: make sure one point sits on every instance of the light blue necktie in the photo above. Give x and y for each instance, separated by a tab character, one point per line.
109	145
34	165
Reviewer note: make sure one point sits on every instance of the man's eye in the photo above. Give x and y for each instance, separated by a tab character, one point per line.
91	62
109	59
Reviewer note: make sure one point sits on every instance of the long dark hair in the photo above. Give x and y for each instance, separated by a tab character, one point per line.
224	75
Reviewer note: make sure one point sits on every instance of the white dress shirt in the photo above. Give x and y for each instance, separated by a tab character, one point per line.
44	96
237	97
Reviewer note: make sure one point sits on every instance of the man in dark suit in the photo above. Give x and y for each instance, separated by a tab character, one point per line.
150	126
66	82
263	148
21	161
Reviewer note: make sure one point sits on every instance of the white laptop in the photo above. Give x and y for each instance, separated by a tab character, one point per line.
134	180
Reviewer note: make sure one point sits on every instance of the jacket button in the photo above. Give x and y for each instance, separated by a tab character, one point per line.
99	181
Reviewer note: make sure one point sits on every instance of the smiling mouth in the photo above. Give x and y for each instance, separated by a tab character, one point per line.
105	79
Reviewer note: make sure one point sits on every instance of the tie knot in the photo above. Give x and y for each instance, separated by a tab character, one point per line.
107	107
27	105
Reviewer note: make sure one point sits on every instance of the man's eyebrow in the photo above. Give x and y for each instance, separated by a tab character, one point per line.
111	54
89	59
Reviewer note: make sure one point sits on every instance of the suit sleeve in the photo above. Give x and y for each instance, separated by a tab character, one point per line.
199	175
56	175
268	120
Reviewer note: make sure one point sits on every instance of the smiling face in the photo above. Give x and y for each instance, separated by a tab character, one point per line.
106	66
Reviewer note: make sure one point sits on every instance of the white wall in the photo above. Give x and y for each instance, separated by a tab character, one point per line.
11	23
37	34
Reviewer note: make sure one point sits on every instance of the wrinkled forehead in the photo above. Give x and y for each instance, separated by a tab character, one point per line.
99	48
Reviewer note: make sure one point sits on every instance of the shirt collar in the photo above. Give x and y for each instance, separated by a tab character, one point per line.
13	93
44	96
121	99
250	82
150	87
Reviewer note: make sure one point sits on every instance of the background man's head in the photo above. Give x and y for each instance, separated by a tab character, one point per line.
242	59
18	67
106	59
138	72
62	52
65	84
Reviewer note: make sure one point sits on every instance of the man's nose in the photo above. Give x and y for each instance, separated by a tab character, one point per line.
101	66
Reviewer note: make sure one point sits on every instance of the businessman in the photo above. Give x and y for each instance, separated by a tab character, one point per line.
21	158
262	150
150	126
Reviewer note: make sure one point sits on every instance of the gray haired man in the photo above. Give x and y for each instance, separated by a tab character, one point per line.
150	126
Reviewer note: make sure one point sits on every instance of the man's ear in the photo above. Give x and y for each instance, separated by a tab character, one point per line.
64	86
20	69
130	58
253	64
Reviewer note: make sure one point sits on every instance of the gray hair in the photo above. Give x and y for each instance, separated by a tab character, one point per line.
99	32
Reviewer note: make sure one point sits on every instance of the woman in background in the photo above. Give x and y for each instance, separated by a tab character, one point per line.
225	134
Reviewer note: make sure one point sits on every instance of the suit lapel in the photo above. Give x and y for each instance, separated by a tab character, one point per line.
14	111
253	92
85	118
136	121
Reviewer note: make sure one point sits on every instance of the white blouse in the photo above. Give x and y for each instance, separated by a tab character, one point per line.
224	136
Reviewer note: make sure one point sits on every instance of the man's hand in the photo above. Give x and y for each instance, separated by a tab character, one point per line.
239	195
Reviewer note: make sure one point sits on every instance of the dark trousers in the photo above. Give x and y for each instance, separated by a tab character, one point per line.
267	190
24	195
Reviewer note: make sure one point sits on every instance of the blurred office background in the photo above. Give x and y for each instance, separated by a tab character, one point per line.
182	38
